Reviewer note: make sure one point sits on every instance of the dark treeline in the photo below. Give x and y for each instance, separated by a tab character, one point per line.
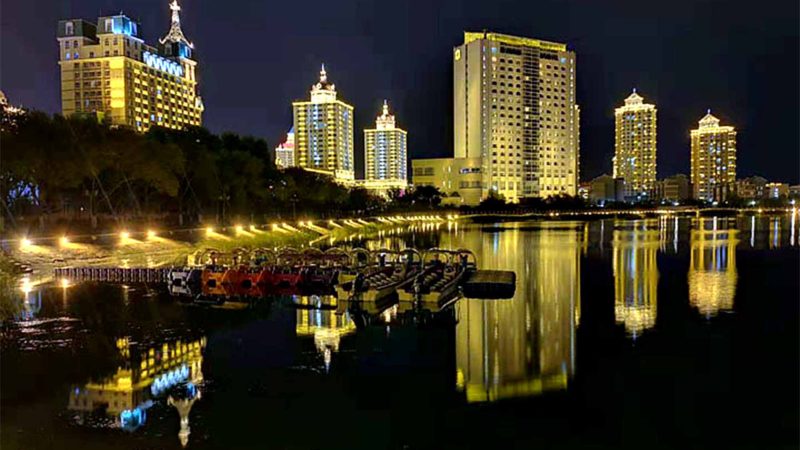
55	169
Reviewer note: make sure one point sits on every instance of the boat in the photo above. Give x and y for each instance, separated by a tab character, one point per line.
439	281
391	274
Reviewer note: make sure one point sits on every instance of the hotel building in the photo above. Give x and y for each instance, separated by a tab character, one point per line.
635	146
713	159
385	150
324	132
515	109
284	152
108	70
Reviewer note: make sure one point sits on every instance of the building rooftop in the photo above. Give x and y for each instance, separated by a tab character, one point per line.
513	40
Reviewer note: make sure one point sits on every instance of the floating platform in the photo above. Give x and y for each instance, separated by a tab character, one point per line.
490	284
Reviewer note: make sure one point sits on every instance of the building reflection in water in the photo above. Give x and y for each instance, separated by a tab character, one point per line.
635	276
326	327
122	399
526	345
712	268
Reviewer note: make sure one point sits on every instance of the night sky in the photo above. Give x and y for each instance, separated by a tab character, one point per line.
739	58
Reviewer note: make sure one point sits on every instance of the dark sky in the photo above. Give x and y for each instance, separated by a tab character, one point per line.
739	58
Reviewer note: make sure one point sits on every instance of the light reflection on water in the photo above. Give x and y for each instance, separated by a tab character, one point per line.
501	349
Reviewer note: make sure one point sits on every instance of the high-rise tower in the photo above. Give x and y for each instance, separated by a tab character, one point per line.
108	70
515	108
385	150
324	132
635	146
713	159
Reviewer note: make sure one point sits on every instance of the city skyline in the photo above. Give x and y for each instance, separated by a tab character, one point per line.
754	92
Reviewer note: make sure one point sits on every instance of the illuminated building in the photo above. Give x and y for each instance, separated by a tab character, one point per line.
126	395
323	129
515	109
526	345
777	190
284	153
8	113
712	270
458	179
713	159
107	70
635	146
751	188
385	154
635	278
606	189
675	188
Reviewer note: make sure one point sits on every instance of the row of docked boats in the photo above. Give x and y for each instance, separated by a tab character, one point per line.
430	275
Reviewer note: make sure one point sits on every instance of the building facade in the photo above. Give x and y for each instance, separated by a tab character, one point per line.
284	152
676	188
458	179
385	154
635	146
109	71
606	189
324	132
713	159
515	109
751	188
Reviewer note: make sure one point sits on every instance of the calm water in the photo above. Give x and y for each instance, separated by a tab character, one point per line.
642	334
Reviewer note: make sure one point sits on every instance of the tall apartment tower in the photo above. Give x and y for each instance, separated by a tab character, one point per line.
109	71
713	159
635	146
385	153
514	107
323	129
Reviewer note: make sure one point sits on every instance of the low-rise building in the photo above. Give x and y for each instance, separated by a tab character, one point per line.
284	152
676	188
777	190
606	188
751	188
459	179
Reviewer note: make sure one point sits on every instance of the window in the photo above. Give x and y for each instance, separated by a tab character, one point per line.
69	29
108	28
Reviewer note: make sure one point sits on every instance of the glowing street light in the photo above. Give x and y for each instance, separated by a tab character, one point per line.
209	231
239	229
151	234
25	243
124	235
64	283
64	241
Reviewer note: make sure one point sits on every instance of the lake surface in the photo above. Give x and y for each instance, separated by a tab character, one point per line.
657	333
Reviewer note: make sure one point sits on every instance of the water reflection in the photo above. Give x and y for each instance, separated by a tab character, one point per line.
712	269
635	277
122	399
526	345
326	326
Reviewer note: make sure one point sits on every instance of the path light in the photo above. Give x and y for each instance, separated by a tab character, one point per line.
274	227
64	283
239	229
209	231
25	243
252	228
64	241
124	235
151	234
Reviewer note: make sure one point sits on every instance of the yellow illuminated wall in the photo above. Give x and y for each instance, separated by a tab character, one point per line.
323	128
635	146
526	345
385	153
712	270
713	159
515	109
117	76
635	277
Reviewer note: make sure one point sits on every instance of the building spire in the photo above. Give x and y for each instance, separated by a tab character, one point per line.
385	107
175	33
323	76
